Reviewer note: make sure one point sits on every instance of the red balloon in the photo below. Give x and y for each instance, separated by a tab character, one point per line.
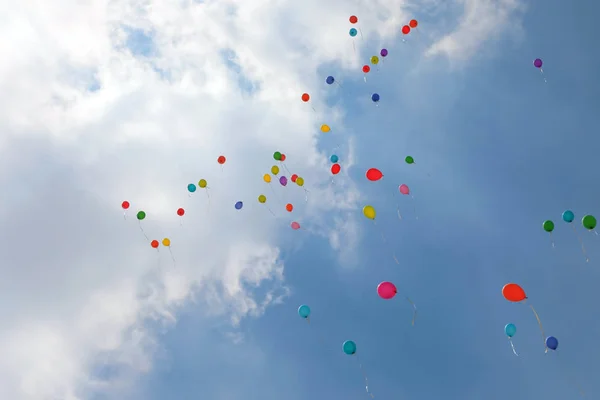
305	97
513	292
282	158
221	160
374	174
289	207
294	177
413	23
406	29
353	19
154	244
180	212
335	169
125	205
366	69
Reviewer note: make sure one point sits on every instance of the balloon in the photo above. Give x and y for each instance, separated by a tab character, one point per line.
289	207
551	342
221	160
386	290
373	174
180	212
353	19
375	60
239	205
267	178
369	212
154	244
375	97
274	169
125	205
304	311
295	225
277	156
330	79
383	52
366	69
335	169
510	330
353	32
404	189
262	198
349	347
282	158
538	63
406	29
202	183
305	97
283	181
300	181
513	292
325	128
294	177
334	158
141	215
191	188
409	160
166	242
413	23
589	222
548	226
568	216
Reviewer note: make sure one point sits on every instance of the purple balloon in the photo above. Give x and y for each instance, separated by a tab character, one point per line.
537	63
383	52
283	181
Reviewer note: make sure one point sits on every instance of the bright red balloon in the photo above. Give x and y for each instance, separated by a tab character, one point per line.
282	159
293	178
125	205
335	169
154	244
305	97
406	29
366	69
180	212
386	290
374	174
353	19
513	292
289	207
413	23
221	160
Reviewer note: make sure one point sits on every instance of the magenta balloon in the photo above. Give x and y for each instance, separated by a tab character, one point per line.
404	189
295	225
386	290
538	63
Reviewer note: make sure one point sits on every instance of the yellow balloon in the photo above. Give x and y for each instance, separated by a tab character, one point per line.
369	212
262	198
166	242
202	183
300	181
267	178
325	128
375	60
275	169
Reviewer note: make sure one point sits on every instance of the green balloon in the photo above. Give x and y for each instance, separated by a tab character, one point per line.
277	156
409	160
548	226
141	215
589	222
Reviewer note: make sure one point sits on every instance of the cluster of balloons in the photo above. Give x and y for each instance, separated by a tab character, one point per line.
588	221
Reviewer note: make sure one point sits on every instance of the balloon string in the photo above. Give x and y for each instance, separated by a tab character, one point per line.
172	257
581	243
552	240
513	347
271	211
361	35
537	317
306	192
362	370
353	46
414	310
208	196
543	75
286	168
142	229
386	243
125	215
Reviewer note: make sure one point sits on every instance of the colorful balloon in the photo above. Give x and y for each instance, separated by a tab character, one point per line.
300	181
274	169
294	177
191	188
353	19
239	205
262	198
373	174
551	342
180	212
289	207
404	189
538	63
568	216
166	242
386	290
305	97
295	225
282	158
277	156
202	183
375	97
366	69
405	29
141	215
267	178
589	222
413	23
510	330
349	347
374	60
383	52
353	32
330	79
221	160
513	292
409	160
335	169
334	158
125	205
154	244
304	311
369	212
548	226
325	128
283	181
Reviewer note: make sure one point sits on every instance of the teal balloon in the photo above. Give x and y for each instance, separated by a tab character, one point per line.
568	216
304	311
191	188
353	32
349	347
510	330
334	158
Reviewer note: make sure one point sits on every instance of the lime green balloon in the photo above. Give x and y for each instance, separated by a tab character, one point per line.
141	215
589	222
409	160
277	156
548	226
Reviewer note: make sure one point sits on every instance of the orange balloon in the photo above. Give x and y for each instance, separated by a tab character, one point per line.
513	292
413	23
289	207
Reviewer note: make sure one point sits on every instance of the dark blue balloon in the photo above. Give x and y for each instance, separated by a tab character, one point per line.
375	97
239	205
551	342
330	79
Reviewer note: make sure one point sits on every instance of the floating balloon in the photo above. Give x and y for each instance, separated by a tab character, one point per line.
513	292
180	212
349	347
568	216
405	29
289	207
551	342
334	158
267	178
166	242
282	158
283	181
274	169
374	60
154	244
325	128
295	226
373	174
277	156
589	222
141	215
300	181
383	52
125	205
386	290
353	32
262	198
353	19
239	205
510	330
294	177
538	63
369	212
413	23
409	160
404	189
191	188
221	160
304	311
366	69
335	169
330	79
305	97
202	183
375	97
548	226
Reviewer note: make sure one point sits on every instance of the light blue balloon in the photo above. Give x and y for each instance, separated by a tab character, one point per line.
304	311
191	188
568	216
353	32
239	205
510	330
334	158
349	347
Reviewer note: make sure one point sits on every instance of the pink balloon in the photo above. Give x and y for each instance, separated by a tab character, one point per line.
386	290
404	189
295	225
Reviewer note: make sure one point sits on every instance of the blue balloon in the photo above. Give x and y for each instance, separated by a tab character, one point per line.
330	79
375	97
551	342
510	330
353	32
349	347
304	311
239	205
191	188
568	216
334	158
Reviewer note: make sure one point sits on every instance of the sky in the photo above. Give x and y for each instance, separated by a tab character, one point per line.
105	101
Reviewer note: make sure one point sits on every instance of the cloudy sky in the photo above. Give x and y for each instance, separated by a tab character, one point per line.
105	101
